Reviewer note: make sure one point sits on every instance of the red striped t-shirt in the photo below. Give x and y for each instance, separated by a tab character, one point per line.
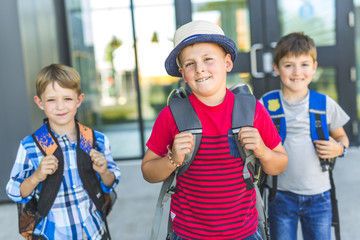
211	201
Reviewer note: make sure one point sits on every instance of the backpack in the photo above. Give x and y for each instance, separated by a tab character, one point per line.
318	131
31	213
180	106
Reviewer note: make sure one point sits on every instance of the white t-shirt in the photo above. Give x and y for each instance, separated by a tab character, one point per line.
303	174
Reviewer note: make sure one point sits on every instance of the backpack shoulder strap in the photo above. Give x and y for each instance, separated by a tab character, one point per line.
86	138
180	106
317	111
273	105
48	144
319	131
244	102
85	142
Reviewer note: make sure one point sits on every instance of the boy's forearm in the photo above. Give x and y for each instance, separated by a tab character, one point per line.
274	161
156	168
344	140
339	135
108	178
28	186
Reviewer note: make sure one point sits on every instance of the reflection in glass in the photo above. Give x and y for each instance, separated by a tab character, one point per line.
315	18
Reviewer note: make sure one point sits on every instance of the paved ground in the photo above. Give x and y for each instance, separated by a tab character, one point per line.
133	212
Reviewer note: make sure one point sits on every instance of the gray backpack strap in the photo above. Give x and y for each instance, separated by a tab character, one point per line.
165	194
262	218
243	116
180	106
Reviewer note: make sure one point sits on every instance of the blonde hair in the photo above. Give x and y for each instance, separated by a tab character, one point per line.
294	44
65	76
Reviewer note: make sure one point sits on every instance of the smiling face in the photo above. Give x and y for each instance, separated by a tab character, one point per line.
60	106
296	73
204	67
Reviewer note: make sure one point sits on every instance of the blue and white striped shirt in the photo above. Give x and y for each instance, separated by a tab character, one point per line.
73	210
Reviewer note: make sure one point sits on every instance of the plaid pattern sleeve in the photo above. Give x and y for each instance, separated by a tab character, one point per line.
73	211
23	168
103	146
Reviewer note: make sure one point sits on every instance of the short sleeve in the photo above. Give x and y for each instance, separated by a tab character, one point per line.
163	132
336	117
266	127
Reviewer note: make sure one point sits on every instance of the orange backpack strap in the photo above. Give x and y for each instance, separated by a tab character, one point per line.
47	143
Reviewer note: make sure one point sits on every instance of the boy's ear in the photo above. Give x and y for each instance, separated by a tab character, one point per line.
182	74
38	102
228	63
315	65
80	98
276	69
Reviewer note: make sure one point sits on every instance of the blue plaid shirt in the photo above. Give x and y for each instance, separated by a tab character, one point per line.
73	211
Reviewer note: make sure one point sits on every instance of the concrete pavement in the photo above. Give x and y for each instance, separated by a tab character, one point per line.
132	216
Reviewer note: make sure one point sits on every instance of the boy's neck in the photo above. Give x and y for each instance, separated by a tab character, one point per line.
213	100
295	96
69	130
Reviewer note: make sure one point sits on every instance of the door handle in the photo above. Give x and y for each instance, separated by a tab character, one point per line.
253	60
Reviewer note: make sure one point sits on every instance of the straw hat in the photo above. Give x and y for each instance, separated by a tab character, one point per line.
197	32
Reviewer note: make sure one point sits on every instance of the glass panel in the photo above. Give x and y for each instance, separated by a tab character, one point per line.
154	43
324	81
232	16
357	56
315	18
82	56
102	52
223	13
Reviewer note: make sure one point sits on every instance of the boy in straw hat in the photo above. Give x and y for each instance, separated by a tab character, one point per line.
211	200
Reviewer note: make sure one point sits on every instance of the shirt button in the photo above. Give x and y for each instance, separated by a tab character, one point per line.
74	186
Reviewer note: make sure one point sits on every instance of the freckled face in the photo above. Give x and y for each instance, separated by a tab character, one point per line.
59	104
204	67
296	72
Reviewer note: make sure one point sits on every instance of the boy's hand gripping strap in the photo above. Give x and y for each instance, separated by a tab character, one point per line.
318	124
186	120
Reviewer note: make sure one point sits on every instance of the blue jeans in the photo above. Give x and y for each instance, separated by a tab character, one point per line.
255	236
314	212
